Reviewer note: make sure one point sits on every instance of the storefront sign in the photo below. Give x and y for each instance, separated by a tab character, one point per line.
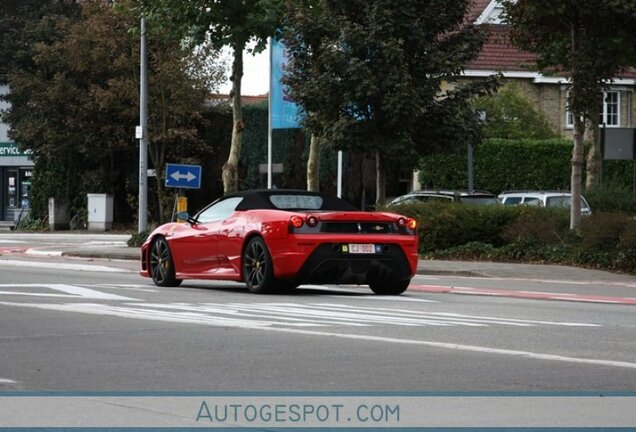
11	149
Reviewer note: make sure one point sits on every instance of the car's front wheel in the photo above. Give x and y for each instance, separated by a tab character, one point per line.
389	287
161	264
258	271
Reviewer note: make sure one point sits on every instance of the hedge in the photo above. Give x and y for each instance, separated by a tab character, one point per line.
514	164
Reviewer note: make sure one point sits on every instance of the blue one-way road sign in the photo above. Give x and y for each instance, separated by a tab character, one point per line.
183	176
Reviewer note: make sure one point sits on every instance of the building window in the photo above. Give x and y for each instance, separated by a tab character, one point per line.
609	116
611	109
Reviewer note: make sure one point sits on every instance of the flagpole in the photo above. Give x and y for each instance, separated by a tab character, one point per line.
269	118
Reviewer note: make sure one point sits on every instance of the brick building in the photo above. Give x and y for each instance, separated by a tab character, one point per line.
549	93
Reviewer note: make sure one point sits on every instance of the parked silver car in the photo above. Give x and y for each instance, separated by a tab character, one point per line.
543	199
459	196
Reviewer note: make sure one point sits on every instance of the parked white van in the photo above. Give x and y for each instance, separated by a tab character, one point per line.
542	198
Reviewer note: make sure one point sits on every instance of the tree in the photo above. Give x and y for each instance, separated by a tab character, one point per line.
74	104
511	115
590	41
369	74
21	23
224	23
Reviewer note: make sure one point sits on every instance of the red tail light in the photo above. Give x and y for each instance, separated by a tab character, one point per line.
312	221
411	223
296	221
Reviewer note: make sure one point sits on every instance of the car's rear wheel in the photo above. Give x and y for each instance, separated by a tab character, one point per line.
389	287
161	264
258	271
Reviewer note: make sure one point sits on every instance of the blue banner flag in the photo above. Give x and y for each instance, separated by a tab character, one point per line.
285	113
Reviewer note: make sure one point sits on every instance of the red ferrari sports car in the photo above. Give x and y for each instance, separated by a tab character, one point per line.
283	238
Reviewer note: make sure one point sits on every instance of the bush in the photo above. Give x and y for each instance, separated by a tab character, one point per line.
533	228
608	240
138	239
612	196
446	225
524	233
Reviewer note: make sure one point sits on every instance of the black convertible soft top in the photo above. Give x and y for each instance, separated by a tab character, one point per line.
264	199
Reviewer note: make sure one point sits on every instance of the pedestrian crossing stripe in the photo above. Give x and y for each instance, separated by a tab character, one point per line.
290	315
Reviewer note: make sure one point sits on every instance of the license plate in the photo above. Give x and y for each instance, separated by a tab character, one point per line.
361	248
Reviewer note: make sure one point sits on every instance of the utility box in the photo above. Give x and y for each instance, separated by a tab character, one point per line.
58	214
100	212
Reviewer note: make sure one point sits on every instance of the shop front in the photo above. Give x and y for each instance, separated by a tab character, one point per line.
16	173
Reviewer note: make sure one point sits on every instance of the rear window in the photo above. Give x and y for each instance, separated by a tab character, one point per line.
296	202
558	201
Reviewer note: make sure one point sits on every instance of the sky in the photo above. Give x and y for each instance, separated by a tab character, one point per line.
255	74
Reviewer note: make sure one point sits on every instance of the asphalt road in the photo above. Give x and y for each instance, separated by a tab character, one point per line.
95	325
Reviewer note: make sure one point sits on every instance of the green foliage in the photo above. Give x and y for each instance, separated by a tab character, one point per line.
224	22
221	23
16	44
137	239
73	102
616	192
589	42
512	115
524	233
531	227
570	34
445	225
369	73
502	165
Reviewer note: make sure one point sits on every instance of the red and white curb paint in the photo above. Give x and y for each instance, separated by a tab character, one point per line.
533	295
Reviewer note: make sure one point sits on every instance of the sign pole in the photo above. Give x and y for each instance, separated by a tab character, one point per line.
143	139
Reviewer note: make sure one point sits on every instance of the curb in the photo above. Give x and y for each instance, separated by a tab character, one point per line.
123	255
460	273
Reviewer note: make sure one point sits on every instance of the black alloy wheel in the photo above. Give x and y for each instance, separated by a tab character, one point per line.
162	265
257	267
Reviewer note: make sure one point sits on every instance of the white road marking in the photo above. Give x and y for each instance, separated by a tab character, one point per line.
63	266
70	291
142	288
38	252
303	315
554	323
344	290
202	319
400	298
6	381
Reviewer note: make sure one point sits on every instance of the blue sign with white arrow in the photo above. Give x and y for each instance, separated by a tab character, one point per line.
183	176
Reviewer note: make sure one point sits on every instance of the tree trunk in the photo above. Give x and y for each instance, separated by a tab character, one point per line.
594	159
577	170
230	168
380	182
313	165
